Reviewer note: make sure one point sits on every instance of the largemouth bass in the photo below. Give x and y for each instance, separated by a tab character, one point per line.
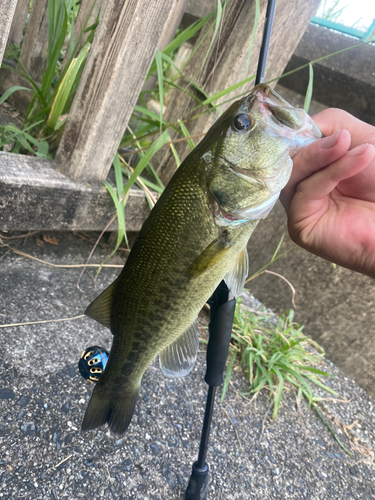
195	235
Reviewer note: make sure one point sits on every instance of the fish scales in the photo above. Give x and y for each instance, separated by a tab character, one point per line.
192	238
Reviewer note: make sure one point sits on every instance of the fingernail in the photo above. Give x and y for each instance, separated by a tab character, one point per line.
358	150
330	141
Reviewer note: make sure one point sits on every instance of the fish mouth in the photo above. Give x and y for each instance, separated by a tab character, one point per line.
282	119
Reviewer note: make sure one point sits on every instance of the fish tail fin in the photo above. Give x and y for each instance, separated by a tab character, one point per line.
117	410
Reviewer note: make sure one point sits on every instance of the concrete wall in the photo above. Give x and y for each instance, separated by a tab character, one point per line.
346	80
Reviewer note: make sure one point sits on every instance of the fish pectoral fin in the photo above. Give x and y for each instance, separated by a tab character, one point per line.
236	276
178	359
100	308
210	255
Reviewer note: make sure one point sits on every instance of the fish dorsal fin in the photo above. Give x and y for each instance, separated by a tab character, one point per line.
100	308
178	359
237	274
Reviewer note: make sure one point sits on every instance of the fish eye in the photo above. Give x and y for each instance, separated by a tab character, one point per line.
242	122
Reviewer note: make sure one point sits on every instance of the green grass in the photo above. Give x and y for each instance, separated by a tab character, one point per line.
52	97
277	358
273	355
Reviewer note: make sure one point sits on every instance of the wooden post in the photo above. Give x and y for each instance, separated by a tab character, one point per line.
35	42
18	23
124	46
7	8
226	62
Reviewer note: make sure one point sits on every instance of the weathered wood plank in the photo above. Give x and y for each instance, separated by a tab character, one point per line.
18	23
7	8
226	63
34	194
35	42
123	49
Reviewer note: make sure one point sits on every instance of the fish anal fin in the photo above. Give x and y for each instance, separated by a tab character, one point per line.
100	308
236	276
178	359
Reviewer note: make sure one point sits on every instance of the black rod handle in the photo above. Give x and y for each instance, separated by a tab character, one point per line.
220	329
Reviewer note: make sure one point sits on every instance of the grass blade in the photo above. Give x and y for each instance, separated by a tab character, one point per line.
186	134
159	66
255	28
10	91
219	13
159	143
175	155
306	105
228	374
331	431
64	90
279	395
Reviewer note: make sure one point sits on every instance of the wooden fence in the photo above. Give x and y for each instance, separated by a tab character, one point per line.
67	193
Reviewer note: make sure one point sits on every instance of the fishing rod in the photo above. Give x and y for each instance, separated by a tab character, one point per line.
222	306
270	13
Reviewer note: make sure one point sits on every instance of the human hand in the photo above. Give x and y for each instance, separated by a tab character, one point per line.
330	197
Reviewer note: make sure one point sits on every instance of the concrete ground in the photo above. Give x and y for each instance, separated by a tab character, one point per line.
44	455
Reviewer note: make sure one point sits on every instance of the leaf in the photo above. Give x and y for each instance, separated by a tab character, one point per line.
314	370
159	66
25	74
65	88
228	90
228	374
219	11
186	134
59	19
332	431
10	91
279	394
255	28
183	37
306	105
50	239
278	248
175	155
149	113
145	159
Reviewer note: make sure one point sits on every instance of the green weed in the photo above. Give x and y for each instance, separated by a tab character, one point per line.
277	356
52	97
